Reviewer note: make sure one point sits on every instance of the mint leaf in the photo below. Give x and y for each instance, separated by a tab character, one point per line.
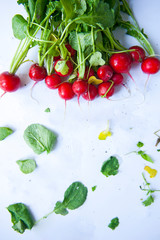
140	144
27	166
5	132
60	209
75	196
114	223
148	201
39	138
20	217
110	167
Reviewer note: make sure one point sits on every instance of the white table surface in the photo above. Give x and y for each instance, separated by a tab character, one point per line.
79	153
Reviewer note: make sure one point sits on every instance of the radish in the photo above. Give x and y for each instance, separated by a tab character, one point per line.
138	54
37	73
91	93
63	67
150	65
117	78
53	81
9	82
89	72
106	89
121	63
105	72
70	49
79	87
65	91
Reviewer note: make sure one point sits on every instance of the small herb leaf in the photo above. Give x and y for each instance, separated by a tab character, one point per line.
145	156
114	223
110	167
140	144
148	201
39	138
20	217
5	132
27	166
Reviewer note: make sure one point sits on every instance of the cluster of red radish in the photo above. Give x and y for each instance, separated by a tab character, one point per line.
111	75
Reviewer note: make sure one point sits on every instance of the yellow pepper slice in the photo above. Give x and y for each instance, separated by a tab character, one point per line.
151	171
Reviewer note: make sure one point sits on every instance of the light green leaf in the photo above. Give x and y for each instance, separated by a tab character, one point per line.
96	59
148	201
5	132
40	138
27	166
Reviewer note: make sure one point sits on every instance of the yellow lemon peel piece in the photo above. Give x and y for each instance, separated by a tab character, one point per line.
106	133
152	172
94	80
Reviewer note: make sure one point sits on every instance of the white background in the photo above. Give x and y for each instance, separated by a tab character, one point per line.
79	154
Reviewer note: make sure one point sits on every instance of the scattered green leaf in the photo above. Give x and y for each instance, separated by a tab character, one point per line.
148	201
27	166
145	156
110	167
94	188
140	144
39	138
47	110
114	223
5	132
20	217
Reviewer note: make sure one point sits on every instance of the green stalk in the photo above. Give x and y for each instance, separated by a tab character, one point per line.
114	43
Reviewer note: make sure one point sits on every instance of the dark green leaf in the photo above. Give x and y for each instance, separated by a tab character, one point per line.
5	132
75	196
148	201
140	144
40	10
39	138
19	26
60	209
27	166
114	223
20	217
31	5
110	167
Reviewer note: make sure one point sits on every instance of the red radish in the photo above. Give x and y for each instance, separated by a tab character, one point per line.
120	62
106	89
53	81
65	91
9	82
150	65
117	78
138	54
105	72
89	72
70	49
79	87
63	67
37	73
91	93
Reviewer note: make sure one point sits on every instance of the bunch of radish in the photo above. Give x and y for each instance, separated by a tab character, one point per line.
76	56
